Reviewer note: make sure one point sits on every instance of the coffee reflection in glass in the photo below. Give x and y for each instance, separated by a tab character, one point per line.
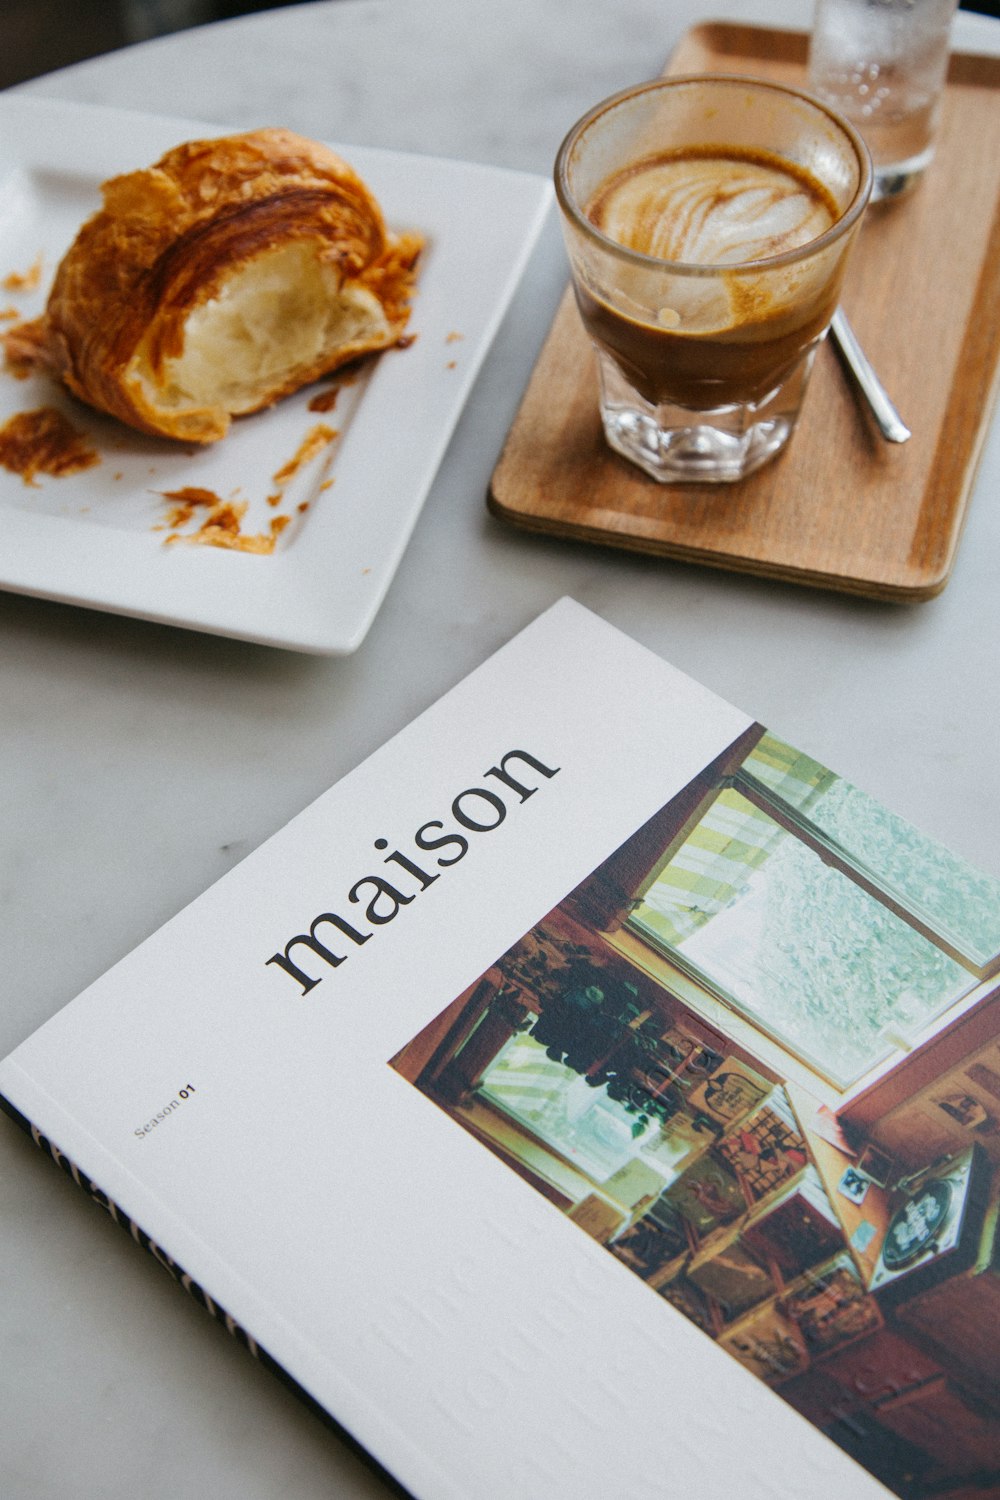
708	221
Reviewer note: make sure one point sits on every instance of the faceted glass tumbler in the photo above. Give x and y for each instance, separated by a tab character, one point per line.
703	366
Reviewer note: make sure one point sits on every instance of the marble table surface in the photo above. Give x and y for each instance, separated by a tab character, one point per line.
140	762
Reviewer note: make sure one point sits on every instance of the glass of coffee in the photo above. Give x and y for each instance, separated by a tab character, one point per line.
708	221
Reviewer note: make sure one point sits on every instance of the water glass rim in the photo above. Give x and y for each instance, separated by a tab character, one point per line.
837	229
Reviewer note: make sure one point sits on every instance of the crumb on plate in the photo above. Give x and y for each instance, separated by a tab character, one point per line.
44	441
315	440
222	526
24	281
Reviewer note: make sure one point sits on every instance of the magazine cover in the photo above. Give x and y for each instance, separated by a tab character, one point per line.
591	1094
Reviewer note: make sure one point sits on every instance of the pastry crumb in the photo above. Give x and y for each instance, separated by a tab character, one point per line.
24	281
326	399
22	347
315	440
44	442
223	524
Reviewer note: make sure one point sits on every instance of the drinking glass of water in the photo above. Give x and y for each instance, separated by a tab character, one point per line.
882	64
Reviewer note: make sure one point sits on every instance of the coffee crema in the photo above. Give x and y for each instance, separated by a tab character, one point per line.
720	321
712	206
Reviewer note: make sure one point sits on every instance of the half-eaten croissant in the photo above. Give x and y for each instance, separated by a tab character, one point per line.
226	276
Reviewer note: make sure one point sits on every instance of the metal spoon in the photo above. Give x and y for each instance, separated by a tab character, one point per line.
890	423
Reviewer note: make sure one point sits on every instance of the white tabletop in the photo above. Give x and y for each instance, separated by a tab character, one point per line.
140	762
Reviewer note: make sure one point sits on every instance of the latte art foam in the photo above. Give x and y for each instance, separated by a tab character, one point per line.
711	208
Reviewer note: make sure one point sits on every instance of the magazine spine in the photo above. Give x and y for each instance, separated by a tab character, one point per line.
146	1242
133	1230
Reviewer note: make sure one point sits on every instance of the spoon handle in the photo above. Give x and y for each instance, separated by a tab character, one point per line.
890	423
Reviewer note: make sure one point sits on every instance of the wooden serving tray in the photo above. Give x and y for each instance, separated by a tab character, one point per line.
840	508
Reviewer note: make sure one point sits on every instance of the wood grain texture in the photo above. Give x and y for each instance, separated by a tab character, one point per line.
840	508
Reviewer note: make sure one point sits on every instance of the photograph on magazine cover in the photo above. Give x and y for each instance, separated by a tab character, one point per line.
756	1056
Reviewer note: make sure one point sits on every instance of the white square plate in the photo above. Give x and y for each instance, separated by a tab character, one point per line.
98	537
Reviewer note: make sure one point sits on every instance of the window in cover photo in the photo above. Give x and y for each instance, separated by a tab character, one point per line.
848	1258
804	903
